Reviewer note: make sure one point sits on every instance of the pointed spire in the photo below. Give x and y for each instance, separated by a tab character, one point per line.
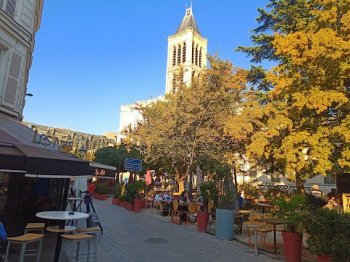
188	21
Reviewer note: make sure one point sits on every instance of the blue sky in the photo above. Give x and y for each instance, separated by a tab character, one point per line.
91	57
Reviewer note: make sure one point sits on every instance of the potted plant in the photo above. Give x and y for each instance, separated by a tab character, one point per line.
292	210
101	191
209	192
224	215
116	190
138	187
328	234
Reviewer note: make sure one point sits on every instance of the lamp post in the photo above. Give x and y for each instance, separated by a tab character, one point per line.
82	152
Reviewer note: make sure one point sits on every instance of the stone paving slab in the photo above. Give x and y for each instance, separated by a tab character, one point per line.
138	237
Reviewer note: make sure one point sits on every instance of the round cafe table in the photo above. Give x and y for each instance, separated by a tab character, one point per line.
62	216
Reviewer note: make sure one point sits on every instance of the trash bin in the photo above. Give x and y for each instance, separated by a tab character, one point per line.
93	220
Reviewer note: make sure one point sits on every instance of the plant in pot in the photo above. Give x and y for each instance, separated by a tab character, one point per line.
116	191
328	234
292	209
138	187
224	215
208	192
101	191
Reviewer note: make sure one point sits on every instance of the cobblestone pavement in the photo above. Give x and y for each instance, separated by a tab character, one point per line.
138	237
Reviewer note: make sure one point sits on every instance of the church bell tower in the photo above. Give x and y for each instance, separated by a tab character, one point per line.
187	49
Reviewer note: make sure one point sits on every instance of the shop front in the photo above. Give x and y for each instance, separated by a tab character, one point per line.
34	175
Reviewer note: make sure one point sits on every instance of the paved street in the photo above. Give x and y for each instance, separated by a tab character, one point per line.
130	236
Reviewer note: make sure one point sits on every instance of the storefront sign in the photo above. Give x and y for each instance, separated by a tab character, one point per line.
100	172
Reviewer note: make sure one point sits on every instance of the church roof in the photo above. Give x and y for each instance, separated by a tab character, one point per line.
188	21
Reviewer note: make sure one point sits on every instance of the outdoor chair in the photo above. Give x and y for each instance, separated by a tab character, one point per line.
175	214
34	227
71	246
93	231
24	240
192	211
212	215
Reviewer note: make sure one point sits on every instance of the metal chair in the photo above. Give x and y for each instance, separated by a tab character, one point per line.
24	240
93	231
34	227
74	241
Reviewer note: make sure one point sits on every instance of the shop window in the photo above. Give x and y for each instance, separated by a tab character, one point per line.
329	179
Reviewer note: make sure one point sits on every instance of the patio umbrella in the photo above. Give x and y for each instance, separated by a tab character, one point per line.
148	179
199	180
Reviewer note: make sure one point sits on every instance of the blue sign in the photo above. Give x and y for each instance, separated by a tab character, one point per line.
133	164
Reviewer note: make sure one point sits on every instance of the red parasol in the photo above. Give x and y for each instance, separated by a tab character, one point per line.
148	179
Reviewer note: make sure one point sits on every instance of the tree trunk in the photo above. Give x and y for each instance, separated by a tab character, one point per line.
299	184
190	186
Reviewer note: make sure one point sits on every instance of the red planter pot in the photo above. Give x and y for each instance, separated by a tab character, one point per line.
292	245
138	205
100	196
202	221
115	201
324	258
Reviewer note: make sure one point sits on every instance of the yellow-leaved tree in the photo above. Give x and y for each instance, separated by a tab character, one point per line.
297	121
188	125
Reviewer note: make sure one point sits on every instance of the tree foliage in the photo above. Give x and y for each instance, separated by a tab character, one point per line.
297	119
188	125
115	156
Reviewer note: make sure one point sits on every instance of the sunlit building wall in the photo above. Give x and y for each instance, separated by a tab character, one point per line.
19	21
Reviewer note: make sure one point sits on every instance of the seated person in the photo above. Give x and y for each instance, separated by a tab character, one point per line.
261	197
184	199
167	197
158	198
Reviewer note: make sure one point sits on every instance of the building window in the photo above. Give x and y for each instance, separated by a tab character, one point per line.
192	53
329	179
174	56
179	55
196	59
275	177
200	57
9	6
173	85
184	53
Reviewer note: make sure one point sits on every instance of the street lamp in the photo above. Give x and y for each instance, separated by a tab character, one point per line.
82	152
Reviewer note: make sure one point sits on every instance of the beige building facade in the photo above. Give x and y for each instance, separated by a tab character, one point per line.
19	21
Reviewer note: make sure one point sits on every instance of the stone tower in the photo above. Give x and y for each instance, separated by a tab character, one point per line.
186	49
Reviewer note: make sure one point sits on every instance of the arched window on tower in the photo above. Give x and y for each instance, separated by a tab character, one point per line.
179	55
196	61
200	57
173	84
184	53
174	56
192	53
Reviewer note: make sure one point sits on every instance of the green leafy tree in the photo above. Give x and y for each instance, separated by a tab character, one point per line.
115	156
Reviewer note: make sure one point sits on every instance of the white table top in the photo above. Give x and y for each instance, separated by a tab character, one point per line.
62	215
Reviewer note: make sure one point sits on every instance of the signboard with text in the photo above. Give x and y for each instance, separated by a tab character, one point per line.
133	164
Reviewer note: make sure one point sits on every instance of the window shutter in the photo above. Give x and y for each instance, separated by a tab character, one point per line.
10	7
1	3
12	80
